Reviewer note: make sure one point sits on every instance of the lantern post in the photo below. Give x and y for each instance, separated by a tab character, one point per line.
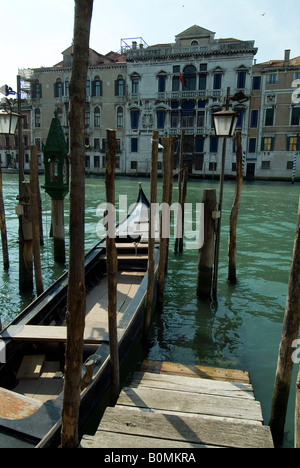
56	164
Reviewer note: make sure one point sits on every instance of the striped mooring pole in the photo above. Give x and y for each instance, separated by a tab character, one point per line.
294	167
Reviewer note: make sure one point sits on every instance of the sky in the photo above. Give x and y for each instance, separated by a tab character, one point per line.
34	33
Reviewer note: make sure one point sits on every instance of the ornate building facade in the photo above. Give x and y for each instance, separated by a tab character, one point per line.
175	87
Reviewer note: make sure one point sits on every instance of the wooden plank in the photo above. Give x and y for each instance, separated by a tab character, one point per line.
190	384
185	428
112	440
92	333
15	406
31	367
193	403
164	367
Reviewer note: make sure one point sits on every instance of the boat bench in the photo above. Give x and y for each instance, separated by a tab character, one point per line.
93	333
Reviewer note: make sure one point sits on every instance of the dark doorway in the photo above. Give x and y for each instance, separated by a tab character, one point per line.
250	172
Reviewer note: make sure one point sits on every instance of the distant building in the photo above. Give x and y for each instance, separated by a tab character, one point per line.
274	123
105	101
175	87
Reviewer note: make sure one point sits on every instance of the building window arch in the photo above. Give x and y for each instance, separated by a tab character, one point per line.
37	90
88	86
134	116
97	117
37	118
58	88
162	79
187	114
135	82
120	117
67	86
161	117
97	87
120	86
188	79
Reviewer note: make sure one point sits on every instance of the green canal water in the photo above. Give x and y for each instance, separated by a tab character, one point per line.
242	329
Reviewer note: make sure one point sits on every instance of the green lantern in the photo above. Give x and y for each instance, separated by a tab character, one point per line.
56	161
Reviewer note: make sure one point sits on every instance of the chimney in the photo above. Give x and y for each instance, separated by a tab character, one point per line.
134	45
287	57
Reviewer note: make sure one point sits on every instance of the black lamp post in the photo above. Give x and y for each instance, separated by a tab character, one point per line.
56	163
225	123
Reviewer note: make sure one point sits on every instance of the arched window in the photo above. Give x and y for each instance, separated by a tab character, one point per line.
97	87
88	86
188	114
120	86
67	86
36	90
189	78
161	116
37	118
87	115
162	79
135	80
58	88
120	117
97	119
134	114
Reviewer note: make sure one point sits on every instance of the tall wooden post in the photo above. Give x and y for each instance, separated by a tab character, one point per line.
297	413
289	334
235	210
3	227
112	268
76	296
34	192
58	230
164	226
151	235
206	252
25	233
179	228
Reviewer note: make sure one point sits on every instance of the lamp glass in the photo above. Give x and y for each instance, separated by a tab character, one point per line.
8	122
225	122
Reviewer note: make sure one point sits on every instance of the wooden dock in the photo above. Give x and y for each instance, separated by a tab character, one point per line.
171	405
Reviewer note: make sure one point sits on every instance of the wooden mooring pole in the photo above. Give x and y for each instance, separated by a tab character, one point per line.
297	413
164	224
36	238
206	252
3	227
151	235
289	334
112	267
235	210
178	246
58	230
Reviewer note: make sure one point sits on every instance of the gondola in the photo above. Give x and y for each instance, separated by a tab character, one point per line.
31	378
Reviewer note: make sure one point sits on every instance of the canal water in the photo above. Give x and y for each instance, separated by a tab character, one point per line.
242	330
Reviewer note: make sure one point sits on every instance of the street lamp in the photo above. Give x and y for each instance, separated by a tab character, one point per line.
8	122
225	123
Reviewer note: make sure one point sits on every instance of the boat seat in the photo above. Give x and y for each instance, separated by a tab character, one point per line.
93	333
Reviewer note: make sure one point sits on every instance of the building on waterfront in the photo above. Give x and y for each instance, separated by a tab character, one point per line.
178	86
274	123
105	103
175	87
